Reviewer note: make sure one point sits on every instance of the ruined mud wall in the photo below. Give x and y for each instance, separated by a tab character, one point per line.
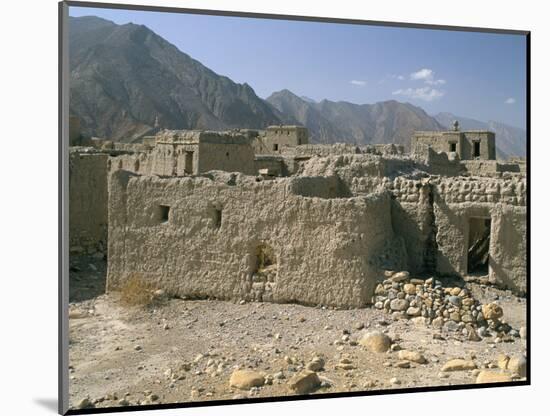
432	214
230	158
325	251
352	166
488	167
141	163
412	215
87	202
410	207
457	200
273	164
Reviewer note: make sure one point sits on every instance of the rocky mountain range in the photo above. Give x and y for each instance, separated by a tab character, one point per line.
330	121
126	82
124	78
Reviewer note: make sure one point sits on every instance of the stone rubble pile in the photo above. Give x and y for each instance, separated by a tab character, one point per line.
453	309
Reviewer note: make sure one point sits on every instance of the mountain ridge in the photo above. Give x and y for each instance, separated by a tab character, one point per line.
340	121
126	78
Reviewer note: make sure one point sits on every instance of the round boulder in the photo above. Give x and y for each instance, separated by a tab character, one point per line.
246	379
304	382
376	342
492	311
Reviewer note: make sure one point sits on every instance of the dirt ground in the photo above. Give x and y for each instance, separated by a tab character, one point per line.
186	350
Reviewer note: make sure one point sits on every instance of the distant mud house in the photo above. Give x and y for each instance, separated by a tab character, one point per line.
263	215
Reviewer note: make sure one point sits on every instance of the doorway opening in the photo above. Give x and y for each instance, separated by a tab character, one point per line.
477	149
479	240
188	168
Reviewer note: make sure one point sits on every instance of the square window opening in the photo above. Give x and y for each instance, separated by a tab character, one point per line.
164	213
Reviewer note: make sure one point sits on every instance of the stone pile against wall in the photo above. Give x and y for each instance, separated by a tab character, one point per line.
429	303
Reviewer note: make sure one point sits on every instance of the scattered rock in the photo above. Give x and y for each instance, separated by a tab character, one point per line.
458	364
279	376
304	382
518	365
316	364
403	364
376	342
413	356
486	376
85	404
246	379
77	314
492	311
123	402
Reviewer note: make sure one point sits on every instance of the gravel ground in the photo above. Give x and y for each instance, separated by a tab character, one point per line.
186	350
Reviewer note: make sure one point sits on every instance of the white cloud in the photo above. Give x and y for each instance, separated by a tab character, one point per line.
424	93
423	74
400	77
510	101
428	76
358	82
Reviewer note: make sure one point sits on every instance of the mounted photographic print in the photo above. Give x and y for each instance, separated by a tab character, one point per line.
266	208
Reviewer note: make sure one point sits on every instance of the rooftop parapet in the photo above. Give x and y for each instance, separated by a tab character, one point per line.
201	136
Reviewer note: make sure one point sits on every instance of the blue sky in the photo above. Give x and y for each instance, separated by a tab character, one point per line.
476	75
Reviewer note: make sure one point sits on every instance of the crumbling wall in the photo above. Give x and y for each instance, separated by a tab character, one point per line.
443	163
274	165
456	200
230	158
141	163
411	210
489	167
319	186
87	202
431	214
327	251
352	166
